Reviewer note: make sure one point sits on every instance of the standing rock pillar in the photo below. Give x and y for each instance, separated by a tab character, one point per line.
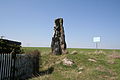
58	44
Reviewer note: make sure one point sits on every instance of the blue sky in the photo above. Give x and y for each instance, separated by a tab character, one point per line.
32	21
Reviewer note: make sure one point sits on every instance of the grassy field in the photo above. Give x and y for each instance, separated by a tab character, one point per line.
106	65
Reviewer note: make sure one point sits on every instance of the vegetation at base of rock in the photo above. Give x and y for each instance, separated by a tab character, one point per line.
83	69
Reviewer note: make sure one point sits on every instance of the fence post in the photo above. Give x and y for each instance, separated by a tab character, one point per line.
14	59
2	65
12	72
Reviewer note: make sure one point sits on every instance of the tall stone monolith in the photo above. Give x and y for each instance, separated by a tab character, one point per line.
58	44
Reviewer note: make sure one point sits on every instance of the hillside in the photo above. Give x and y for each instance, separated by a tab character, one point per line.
89	64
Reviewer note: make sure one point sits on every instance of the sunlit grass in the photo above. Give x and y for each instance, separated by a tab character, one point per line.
106	67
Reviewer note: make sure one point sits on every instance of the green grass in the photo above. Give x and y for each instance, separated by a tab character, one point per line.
106	66
43	50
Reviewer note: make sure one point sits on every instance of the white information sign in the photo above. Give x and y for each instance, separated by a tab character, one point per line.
96	39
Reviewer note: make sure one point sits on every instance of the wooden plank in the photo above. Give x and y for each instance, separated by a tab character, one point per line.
17	66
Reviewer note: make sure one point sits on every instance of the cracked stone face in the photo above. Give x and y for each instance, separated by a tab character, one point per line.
58	44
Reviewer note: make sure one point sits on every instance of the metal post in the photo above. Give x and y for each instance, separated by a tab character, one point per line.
96	45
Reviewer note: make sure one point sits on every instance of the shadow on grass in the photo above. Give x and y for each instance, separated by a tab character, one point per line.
42	73
46	72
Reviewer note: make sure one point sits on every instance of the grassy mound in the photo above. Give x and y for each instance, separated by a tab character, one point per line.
89	64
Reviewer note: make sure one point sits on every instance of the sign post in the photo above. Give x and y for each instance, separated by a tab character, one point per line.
96	40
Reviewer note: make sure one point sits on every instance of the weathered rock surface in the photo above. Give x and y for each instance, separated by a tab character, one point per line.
58	44
67	62
92	60
74	52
